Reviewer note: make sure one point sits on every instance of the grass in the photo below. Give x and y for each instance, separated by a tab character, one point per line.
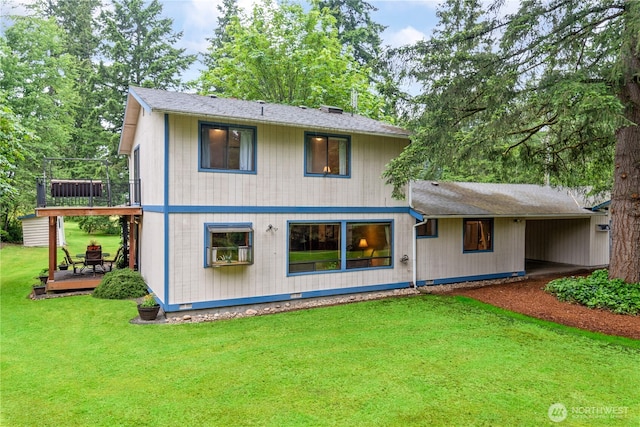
427	360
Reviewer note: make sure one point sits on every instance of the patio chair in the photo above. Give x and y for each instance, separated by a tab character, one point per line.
75	263
94	258
115	259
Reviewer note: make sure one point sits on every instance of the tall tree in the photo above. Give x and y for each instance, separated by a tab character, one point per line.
557	81
286	55
356	28
89	138
37	83
138	48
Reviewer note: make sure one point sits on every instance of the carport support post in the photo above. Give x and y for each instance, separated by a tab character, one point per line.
53	245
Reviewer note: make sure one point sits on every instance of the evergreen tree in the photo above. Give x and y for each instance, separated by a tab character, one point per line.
137	49
553	87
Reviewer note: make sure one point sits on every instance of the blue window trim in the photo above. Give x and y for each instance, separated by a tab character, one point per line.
228	125
328	135
435	235
343	244
464	222
221	226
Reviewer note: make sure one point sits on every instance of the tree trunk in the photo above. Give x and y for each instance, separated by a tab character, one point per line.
625	200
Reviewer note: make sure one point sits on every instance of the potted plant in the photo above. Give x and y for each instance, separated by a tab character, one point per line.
63	265
39	289
93	246
43	276
148	309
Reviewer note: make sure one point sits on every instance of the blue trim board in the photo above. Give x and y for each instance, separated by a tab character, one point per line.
143	104
417	215
284	297
274	209
448	280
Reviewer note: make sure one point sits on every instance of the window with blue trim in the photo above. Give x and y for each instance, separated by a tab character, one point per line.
327	155
338	246
428	229
228	244
478	235
227	148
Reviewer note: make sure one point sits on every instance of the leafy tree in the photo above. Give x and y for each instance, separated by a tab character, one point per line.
555	84
37	82
282	54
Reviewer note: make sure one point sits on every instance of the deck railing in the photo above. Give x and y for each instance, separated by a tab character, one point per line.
86	192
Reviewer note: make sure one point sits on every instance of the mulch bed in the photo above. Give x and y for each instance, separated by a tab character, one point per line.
528	297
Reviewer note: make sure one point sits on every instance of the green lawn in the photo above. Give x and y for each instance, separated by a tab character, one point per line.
427	360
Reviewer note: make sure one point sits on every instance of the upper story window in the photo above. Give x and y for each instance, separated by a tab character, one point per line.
327	155
227	148
478	235
428	229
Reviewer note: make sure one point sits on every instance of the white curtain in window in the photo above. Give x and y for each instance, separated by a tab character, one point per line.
246	150
205	161
343	158
387	234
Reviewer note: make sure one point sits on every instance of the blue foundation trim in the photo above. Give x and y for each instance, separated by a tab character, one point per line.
284	297
449	280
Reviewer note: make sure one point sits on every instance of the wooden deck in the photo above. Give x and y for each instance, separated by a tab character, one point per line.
67	280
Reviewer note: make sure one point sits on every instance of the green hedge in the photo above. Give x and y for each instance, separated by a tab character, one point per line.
598	291
121	284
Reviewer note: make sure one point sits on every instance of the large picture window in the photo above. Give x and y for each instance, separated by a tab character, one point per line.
326	155
227	148
338	246
478	235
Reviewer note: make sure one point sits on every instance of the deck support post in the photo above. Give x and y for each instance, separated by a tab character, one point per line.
53	245
132	242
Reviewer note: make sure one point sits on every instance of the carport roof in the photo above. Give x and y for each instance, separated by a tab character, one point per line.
468	199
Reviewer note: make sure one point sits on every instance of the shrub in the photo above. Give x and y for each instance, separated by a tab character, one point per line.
598	291
121	284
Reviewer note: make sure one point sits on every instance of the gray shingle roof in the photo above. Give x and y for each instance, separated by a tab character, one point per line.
254	111
493	200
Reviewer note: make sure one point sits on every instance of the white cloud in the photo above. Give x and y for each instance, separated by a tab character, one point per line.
405	36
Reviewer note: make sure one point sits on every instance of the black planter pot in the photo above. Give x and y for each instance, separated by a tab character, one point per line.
39	289
43	279
148	313
63	267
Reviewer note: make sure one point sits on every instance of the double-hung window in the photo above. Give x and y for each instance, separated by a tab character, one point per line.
326	155
478	235
339	246
227	148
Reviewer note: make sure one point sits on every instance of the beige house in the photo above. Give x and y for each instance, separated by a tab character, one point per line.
247	202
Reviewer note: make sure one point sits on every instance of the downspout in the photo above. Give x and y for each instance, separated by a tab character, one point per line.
415	252
414	245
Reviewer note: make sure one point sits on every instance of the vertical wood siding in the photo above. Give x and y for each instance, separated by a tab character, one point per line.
280	178
191	282
565	241
442	257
